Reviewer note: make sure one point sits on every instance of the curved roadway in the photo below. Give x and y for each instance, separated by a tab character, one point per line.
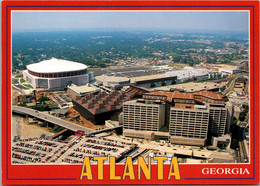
50	119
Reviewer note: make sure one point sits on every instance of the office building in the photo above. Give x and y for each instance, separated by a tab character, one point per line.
188	124
217	120
141	114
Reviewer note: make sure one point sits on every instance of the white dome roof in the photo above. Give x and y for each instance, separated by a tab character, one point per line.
54	65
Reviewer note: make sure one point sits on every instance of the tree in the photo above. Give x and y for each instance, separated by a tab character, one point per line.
243	114
234	144
43	98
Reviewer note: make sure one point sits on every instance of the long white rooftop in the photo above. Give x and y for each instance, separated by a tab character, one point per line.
54	65
187	73
111	78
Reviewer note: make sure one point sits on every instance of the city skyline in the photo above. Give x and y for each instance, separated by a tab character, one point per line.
235	21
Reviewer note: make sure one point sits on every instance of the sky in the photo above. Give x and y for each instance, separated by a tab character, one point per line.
236	21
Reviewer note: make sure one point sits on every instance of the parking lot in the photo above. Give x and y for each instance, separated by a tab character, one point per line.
34	150
94	146
44	150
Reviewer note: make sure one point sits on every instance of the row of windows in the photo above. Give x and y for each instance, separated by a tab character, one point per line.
188	125
131	117
140	121
191	118
182	127
189	131
189	114
142	113
190	136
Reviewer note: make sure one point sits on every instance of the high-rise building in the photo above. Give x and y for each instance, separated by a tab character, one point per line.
147	115
214	102
217	120
190	117
188	124
230	115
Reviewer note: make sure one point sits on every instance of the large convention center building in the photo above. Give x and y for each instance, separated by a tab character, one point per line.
56	73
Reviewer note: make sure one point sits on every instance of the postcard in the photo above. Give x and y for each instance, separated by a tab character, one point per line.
130	92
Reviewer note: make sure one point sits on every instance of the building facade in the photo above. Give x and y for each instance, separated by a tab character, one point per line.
217	120
113	82
188	126
155	82
190	117
144	115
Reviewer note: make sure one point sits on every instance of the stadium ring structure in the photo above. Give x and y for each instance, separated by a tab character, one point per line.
56	74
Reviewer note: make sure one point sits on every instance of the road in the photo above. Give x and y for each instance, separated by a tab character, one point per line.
227	78
50	119
105	130
227	90
243	151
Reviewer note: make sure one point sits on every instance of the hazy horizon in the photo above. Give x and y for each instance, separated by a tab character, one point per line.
174	21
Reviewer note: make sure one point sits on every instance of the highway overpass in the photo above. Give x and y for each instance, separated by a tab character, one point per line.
49	118
94	132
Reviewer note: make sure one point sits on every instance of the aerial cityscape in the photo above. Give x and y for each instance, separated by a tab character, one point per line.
131	91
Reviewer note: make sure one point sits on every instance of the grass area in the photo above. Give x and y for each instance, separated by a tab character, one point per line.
150	66
43	124
19	76
22	80
28	86
94	69
57	130
49	102
54	108
203	80
68	139
21	105
174	55
178	65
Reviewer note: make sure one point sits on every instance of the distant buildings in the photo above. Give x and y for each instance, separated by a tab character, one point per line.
56	74
82	90
230	70
136	91
113	82
194	87
189	74
153	81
